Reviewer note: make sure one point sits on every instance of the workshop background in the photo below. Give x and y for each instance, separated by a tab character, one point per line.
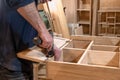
86	17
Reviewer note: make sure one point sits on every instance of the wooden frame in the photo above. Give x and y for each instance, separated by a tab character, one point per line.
84	58
99	60
84	15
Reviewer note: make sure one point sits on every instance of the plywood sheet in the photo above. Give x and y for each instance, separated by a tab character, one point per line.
103	58
81	44
72	55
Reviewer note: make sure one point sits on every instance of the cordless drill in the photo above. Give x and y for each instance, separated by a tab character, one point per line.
37	41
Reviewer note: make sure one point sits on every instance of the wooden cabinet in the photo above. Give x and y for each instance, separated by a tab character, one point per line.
108	18
84	11
94	17
109	22
87	58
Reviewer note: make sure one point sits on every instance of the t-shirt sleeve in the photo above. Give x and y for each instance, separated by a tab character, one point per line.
18	3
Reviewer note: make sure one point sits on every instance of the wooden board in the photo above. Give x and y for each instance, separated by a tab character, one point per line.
70	10
99	40
94	18
72	55
85	54
59	19
103	58
105	48
81	44
36	54
72	71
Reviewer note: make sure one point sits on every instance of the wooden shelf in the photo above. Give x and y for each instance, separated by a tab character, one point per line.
84	22
84	15
110	17
111	20
104	34
111	23
102	23
83	9
108	10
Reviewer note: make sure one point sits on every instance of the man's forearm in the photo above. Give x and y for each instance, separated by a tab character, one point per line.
30	13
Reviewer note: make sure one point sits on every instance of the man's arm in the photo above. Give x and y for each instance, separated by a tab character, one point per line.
30	13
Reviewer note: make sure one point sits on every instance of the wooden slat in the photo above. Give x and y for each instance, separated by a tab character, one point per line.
35	71
95	14
119	57
34	54
105	48
71	71
60	23
82	60
82	37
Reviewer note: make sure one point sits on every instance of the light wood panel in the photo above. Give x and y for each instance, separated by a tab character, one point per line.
110	3
37	54
34	54
94	18
103	58
98	40
70	71
59	19
85	54
70	10
81	44
72	55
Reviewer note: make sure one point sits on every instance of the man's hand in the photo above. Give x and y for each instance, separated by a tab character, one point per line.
43	1
47	40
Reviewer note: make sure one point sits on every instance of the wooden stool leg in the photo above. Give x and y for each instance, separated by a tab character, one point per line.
35	71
